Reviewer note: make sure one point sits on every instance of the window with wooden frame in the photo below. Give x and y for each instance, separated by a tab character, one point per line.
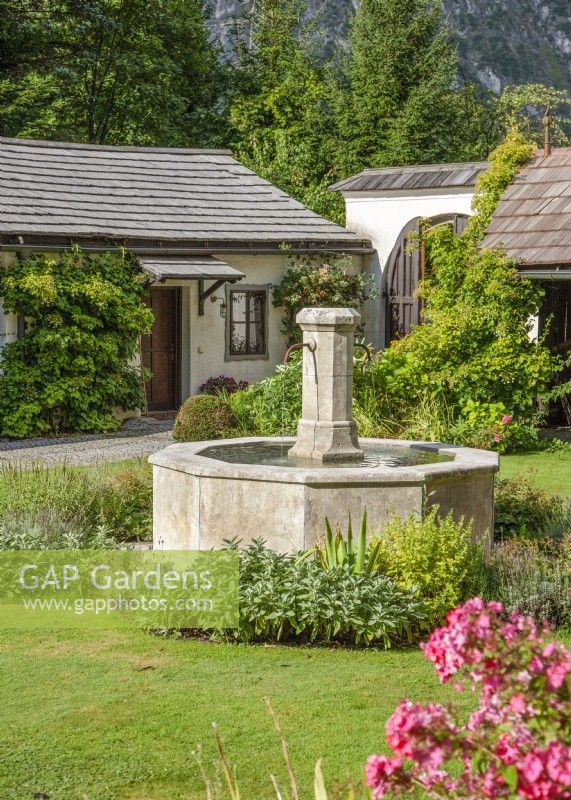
247	322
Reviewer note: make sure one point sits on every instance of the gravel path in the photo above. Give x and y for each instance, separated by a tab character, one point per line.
136	439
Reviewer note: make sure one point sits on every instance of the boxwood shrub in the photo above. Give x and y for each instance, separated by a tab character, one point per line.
203	417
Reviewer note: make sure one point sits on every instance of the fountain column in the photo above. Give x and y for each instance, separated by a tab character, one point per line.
327	430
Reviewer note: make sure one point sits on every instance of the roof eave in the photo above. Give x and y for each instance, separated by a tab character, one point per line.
15	242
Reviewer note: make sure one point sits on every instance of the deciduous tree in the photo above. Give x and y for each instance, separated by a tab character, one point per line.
109	72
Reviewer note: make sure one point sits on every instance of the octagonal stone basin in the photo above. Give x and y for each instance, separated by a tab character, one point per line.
206	492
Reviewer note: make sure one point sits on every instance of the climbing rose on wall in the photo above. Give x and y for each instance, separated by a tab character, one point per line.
516	744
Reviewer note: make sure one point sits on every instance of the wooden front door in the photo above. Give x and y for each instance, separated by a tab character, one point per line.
161	350
403	273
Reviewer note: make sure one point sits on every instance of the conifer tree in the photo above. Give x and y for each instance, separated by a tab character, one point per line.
280	111
398	104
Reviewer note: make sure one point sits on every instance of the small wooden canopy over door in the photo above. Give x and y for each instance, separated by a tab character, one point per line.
404	272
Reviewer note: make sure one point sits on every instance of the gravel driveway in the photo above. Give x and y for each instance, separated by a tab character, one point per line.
136	439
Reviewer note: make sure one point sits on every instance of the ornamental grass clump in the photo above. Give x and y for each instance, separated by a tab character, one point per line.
72	507
516	744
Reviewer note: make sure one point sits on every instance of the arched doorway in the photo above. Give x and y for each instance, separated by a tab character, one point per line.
405	269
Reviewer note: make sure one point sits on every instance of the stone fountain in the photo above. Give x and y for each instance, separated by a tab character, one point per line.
282	488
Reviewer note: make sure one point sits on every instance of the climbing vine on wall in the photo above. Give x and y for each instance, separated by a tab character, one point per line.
73	367
475	350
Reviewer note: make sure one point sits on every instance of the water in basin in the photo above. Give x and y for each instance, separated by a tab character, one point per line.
276	455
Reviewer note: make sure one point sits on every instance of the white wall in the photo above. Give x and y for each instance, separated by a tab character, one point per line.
207	333
203	342
380	217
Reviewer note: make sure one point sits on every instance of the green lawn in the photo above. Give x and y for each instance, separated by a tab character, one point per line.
88	718
116	716
550	470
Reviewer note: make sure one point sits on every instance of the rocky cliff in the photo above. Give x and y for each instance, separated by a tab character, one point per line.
500	41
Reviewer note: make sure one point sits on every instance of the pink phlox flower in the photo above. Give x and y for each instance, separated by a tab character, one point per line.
378	771
518	704
557	673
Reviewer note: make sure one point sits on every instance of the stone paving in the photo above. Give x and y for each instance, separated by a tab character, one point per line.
137	438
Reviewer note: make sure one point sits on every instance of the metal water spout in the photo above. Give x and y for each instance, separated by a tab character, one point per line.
327	430
298	346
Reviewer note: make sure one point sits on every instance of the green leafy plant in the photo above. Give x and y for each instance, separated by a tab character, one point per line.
436	556
338	551
50	505
203	417
46	529
524	509
272	406
73	367
313	281
532	577
288	598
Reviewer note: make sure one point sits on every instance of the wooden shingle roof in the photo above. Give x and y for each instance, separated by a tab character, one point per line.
418	176
194	198
533	218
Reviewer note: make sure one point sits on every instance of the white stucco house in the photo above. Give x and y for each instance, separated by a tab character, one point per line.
532	222
208	232
385	206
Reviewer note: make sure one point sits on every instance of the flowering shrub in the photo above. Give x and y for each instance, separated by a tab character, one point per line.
222	385
315	283
492	427
517	742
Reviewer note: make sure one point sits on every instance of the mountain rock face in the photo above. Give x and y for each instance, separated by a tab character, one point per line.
499	41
